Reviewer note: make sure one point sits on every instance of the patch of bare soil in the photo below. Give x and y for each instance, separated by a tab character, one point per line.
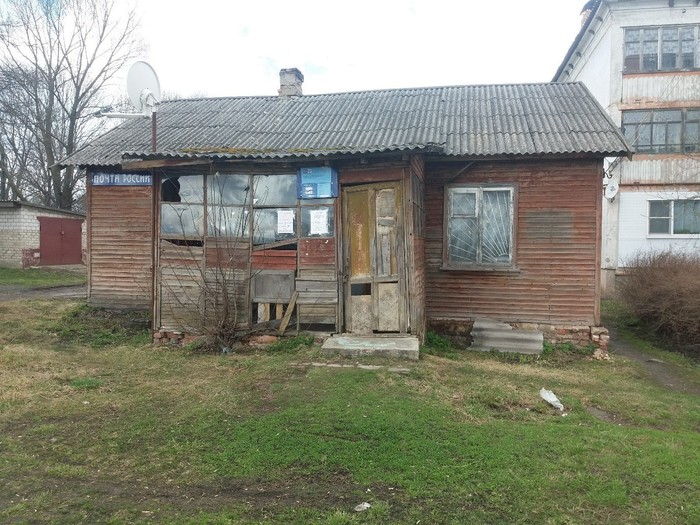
98	498
667	374
606	416
13	293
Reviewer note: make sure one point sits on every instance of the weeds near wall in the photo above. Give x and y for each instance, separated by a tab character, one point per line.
662	289
203	260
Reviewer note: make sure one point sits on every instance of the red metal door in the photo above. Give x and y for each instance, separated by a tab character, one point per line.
60	241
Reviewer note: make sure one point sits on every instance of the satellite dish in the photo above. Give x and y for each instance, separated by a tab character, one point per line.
611	190
143	87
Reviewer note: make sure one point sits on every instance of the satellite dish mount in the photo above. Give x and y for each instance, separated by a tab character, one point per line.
611	190
144	91
143	88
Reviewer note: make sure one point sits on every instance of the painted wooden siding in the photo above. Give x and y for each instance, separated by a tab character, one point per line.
191	297
317	254
274	260
317	282
671	87
659	169
557	207
120	246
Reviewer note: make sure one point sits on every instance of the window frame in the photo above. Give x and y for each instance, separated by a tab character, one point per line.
653	124
187	204
671	220
639	61
478	190
250	206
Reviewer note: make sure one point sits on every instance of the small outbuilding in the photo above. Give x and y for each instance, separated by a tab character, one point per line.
34	235
377	212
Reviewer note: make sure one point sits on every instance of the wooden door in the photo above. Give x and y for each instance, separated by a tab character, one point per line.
373	259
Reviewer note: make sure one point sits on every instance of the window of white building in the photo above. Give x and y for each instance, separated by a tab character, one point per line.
674	217
650	49
663	130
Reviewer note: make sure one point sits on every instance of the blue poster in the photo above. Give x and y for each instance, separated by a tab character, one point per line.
317	183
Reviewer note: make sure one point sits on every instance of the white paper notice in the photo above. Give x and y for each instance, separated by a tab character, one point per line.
319	222
285	221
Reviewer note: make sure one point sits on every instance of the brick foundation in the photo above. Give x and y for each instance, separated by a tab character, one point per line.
579	335
30	257
165	337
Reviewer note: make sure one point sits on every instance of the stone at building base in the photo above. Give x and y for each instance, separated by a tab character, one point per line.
488	334
579	335
402	347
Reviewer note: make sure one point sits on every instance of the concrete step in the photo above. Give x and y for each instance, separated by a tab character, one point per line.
400	346
488	335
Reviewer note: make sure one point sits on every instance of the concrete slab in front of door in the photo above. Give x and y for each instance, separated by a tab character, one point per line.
401	346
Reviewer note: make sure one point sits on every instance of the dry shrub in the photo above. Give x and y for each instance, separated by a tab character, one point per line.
663	290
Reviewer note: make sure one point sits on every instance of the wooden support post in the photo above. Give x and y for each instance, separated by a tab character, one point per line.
266	317
288	313
279	310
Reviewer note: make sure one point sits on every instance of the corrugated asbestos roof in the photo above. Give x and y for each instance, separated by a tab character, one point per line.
523	119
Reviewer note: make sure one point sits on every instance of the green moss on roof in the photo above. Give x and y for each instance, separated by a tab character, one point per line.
255	151
229	151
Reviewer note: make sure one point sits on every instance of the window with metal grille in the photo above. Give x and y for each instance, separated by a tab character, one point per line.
479	226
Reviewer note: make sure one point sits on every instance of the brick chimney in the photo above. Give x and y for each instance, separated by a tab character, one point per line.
290	82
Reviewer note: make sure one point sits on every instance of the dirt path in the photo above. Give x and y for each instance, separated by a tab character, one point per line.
667	374
12	293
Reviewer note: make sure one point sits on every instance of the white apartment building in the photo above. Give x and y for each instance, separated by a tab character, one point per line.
641	60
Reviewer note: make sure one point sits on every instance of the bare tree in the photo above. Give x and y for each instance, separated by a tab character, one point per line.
57	58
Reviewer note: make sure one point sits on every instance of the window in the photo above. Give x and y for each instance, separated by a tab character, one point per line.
182	206
649	49
663	130
228	199
479	226
678	217
274	208
262	207
317	218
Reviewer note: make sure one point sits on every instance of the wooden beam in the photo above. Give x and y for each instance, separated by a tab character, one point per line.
141	164
288	313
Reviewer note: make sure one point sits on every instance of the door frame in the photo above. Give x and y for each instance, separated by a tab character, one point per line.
374	280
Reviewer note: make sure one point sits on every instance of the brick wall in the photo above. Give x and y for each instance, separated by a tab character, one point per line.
19	234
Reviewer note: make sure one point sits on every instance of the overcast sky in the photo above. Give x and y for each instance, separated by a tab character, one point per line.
231	48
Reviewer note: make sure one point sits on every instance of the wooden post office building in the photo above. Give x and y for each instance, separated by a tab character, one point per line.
388	211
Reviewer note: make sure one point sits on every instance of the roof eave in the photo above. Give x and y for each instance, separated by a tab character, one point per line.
577	41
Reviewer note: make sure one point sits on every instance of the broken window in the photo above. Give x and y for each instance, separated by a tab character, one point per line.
262	207
182	206
479	226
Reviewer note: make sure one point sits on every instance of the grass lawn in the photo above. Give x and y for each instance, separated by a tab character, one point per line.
98	427
39	277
